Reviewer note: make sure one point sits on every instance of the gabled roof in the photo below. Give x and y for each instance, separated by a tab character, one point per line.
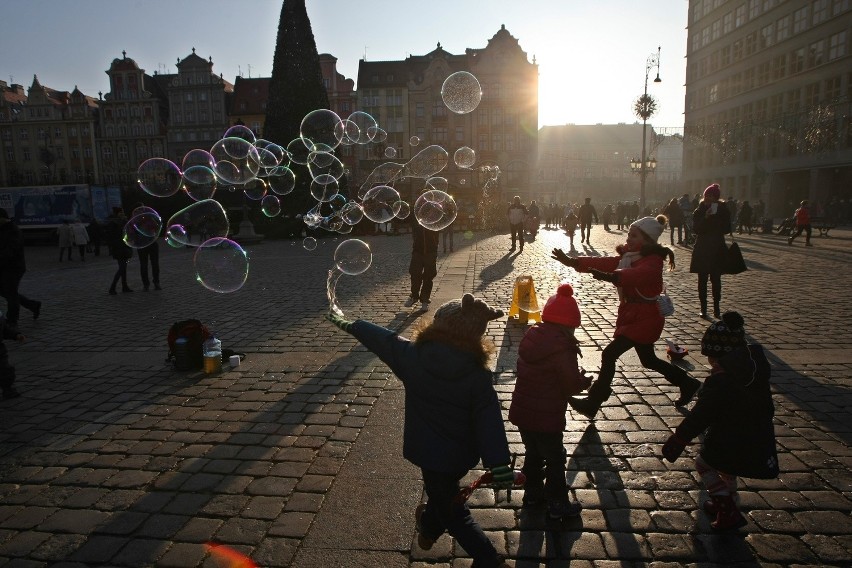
253	92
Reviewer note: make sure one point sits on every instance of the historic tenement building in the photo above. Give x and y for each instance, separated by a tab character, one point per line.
405	98
47	136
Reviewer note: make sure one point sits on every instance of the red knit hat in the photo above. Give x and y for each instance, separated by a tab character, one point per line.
713	190
562	308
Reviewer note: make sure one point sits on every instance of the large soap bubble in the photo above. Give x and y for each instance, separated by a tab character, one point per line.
353	257
221	265
428	162
270	205
159	177
281	180
241	131
197	157
351	213
378	203
435	210
364	127
461	92
200	221
237	160
321	126
464	157
143	228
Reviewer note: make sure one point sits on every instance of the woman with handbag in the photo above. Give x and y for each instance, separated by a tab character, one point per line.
638	275
711	221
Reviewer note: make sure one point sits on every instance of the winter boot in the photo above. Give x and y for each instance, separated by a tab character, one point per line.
702	298
423	541
716	312
590	405
688	387
728	517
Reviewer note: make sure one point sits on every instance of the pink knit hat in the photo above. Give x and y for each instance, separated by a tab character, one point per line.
712	191
562	308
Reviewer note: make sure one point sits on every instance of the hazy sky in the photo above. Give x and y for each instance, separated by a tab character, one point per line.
591	53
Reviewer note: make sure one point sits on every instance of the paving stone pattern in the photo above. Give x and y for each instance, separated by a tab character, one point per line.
111	458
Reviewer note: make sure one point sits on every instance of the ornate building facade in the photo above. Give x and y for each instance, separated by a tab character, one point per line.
47	136
134	119
405	98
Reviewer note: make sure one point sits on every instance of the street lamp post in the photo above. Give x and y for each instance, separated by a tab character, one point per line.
645	108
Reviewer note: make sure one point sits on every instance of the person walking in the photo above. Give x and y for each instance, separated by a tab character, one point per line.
744	218
452	415
517	213
638	274
734	411
803	223
676	219
586	213
606	217
13	266
118	249
548	374
711	221
424	264
80	237
65	236
148	254
94	230
447	236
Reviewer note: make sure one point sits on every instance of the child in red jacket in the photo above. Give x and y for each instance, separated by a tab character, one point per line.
548	375
637	274
803	223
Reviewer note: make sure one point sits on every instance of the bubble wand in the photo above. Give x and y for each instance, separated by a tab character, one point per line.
353	257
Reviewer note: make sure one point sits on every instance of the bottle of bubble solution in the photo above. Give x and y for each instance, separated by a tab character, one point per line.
212	355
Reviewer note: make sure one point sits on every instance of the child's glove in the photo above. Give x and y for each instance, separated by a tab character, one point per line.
604	276
673	447
558	254
339	321
502	477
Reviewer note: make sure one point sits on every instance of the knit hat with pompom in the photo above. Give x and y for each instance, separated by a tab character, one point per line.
724	336
562	308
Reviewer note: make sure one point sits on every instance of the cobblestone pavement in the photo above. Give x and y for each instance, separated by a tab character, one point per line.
110	458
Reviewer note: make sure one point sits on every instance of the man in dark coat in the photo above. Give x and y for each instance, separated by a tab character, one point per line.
424	264
586	213
13	265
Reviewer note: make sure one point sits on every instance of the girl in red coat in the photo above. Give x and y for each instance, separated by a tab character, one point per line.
638	275
548	375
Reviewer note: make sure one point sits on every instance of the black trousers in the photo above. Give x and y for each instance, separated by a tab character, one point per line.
517	234
121	274
544	464
423	269
152	253
10	280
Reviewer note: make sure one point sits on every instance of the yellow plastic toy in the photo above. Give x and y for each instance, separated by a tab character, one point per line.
524	302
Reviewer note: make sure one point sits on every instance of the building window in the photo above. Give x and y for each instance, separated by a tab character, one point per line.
816	53
496	142
421	133
767	36
10	154
136	130
811	94
794	100
800	20
25	134
141	152
797	61
837	45
29	176
57	132
753	9
85	131
727	23
779	67
839	6
60	151
419	110
438	108
439	134
782	28
188	97
107	153
87	152
459	134
75	153
122	152
740	17
27	155
345	106
820	11
497	117
483	142
832	88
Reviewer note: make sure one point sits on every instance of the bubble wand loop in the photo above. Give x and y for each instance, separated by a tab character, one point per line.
331	291
352	257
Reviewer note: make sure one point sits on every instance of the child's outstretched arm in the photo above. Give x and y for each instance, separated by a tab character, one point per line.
385	343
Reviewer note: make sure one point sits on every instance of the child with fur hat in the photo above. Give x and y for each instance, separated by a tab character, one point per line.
452	415
734	411
638	275
548	375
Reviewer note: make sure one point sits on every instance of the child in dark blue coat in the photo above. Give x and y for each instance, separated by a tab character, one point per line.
452	415
734	412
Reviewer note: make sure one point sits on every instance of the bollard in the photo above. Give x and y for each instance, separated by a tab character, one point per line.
524	302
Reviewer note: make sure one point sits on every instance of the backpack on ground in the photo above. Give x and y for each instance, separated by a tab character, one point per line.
195	333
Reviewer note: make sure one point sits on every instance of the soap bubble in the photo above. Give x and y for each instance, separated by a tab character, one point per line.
325	167
435	210
378	203
320	126
414	140
309	243
324	191
428	162
382	174
237	160
143	228
461	92
278	153
200	221
379	136
390	152
159	177
464	157
270	206
197	157
439	183
221	265
401	209
351	213
241	131
255	189
365	128
199	182
298	151
281	180
353	257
